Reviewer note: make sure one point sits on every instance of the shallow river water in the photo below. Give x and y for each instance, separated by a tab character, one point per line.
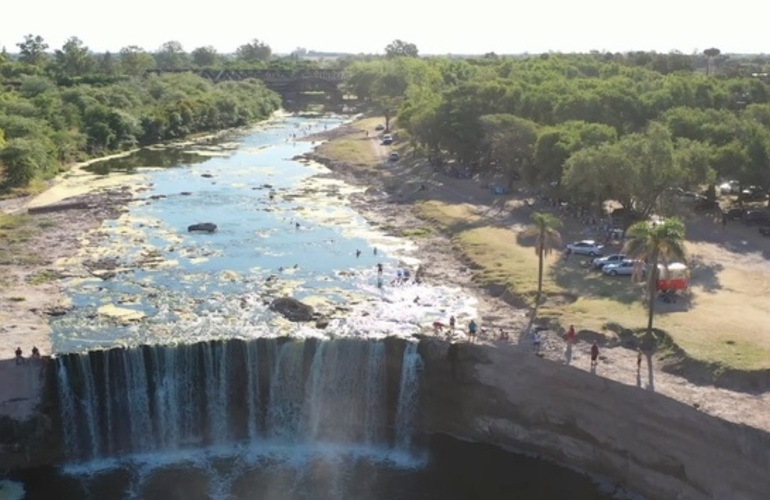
283	229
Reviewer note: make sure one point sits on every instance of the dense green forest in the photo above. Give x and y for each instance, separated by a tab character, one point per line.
597	126
69	105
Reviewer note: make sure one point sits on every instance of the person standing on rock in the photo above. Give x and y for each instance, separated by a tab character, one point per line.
19	357
638	360
472	327
452	324
594	354
379	268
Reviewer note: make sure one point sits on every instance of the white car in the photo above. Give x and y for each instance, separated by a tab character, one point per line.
624	268
586	247
600	262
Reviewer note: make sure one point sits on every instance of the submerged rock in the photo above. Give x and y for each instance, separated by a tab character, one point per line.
292	309
207	227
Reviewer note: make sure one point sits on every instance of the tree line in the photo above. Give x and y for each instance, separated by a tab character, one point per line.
71	105
595	126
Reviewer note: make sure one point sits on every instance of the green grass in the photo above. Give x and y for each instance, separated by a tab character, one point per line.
355	151
417	232
17	299
577	295
354	148
15	230
43	277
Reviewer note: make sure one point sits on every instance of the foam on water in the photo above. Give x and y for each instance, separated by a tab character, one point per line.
10	490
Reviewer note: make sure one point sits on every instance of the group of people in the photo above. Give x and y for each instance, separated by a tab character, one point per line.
439	327
20	355
594	346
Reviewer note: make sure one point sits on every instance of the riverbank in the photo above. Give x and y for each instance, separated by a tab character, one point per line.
394	191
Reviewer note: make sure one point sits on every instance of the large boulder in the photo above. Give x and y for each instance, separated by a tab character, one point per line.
292	309
205	227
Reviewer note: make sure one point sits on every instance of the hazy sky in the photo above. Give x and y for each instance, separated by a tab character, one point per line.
449	26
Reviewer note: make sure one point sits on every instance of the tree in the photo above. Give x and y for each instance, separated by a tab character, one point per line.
545	229
171	55
32	50
74	58
510	142
24	159
205	56
711	54
107	64
655	243
254	51
135	61
399	48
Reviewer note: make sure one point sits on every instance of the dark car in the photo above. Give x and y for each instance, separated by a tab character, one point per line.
703	203
734	213
764	230
753	193
756	218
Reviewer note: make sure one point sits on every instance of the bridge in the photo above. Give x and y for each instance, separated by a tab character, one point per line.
309	80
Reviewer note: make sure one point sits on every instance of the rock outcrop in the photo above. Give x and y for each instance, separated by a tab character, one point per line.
204	227
292	309
644	441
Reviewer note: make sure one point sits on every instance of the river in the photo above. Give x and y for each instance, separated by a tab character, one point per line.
294	410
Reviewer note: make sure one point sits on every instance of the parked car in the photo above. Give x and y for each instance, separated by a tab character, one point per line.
586	247
734	213
624	268
729	187
614	258
387	139
753	193
393	156
379	126
764	230
703	203
756	218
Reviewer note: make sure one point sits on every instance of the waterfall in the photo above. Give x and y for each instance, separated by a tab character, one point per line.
150	398
408	395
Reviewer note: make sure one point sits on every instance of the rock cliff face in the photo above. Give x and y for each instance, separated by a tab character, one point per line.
647	442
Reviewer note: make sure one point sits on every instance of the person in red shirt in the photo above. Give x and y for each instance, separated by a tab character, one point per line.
571	335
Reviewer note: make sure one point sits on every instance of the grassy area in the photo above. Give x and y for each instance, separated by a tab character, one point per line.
588	299
36	186
15	230
354	148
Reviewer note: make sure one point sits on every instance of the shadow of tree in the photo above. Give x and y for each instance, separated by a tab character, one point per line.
705	275
576	275
735	237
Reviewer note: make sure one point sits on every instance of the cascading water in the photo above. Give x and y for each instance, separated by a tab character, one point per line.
160	398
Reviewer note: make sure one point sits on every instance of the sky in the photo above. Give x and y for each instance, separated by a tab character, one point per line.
435	27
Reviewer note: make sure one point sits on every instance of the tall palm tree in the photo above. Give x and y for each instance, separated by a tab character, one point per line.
545	228
655	243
